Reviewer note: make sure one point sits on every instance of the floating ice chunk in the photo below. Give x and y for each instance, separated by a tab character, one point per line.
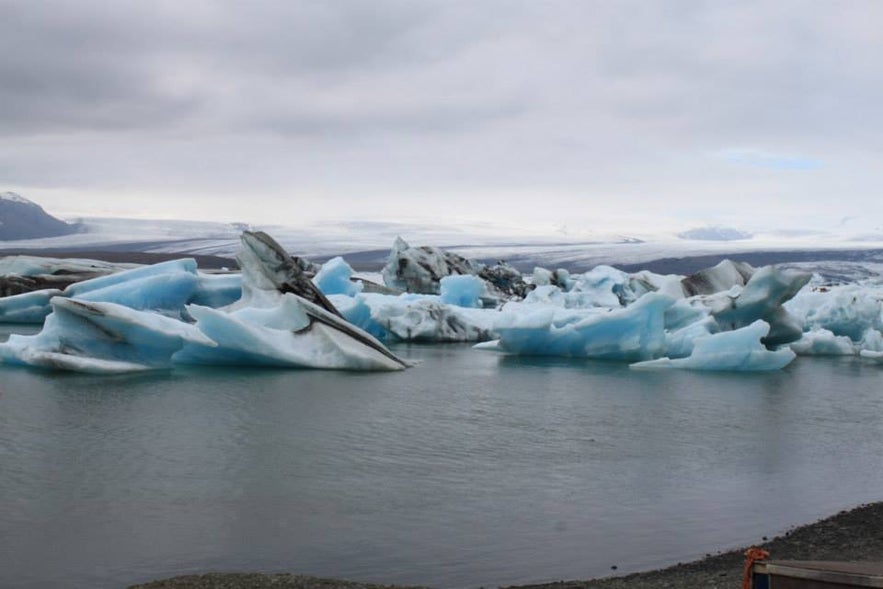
167	292
432	321
843	310
102	338
679	343
217	290
821	342
684	313
29	307
502	281
761	298
419	269
667	284
725	275
79	289
872	340
560	278
603	286
417	318
295	333
462	291
357	311
739	350
334	278
542	277
278	296
546	294
633	333
872	355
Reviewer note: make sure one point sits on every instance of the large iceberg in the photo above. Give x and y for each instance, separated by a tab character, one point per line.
762	297
165	287
281	319
839	319
848	310
420	270
101	338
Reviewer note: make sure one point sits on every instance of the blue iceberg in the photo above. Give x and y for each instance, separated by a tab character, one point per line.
101	338
636	332
279	319
738	350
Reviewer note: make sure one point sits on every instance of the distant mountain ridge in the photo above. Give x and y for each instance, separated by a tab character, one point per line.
21	218
715	233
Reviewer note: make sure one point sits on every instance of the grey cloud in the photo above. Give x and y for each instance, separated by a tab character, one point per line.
620	101
80	65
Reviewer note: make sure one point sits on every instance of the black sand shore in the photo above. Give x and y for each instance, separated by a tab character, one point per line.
854	535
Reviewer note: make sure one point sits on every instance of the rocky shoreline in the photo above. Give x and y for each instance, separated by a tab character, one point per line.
854	535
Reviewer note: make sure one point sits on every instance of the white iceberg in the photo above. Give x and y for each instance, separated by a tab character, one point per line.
821	342
848	310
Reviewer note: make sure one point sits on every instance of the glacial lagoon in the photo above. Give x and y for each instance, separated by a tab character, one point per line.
469	469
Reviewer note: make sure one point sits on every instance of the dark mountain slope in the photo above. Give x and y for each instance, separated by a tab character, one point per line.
23	219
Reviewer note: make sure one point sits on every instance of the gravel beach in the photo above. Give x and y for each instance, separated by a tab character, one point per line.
854	535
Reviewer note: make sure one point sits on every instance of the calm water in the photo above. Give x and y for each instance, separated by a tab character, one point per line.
470	469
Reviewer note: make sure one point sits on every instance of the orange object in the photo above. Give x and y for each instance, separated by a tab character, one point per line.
752	555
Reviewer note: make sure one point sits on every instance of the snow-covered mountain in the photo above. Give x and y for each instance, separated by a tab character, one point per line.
23	219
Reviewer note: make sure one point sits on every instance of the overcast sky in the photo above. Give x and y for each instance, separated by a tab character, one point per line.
582	113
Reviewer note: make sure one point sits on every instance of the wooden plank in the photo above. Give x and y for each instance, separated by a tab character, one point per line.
820	574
